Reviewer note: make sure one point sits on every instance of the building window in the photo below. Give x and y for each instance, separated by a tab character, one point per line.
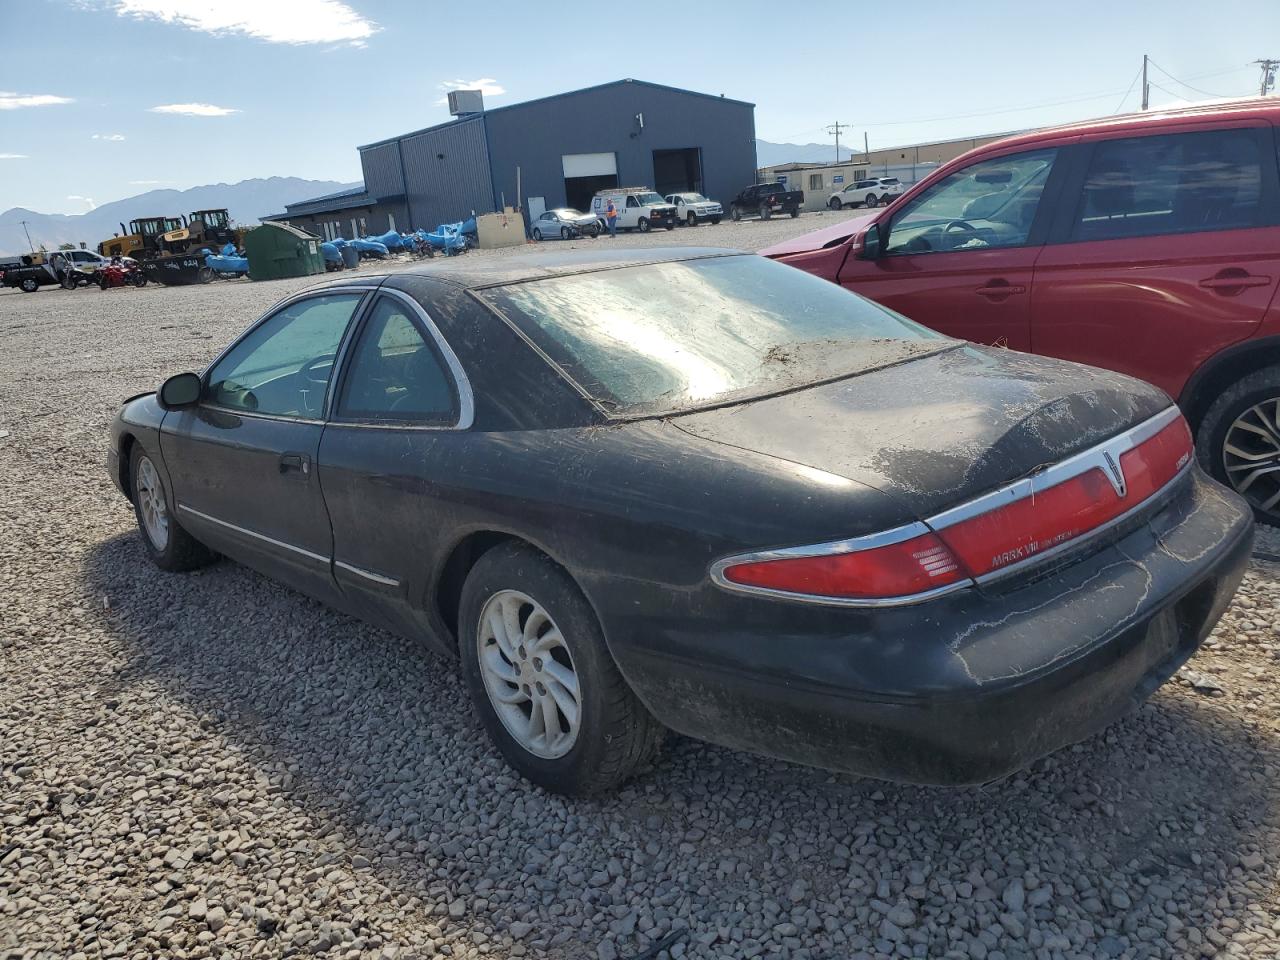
815	181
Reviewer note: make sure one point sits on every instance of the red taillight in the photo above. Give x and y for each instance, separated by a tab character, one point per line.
908	567
1050	516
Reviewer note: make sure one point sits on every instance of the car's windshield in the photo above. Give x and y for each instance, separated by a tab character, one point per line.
669	336
649	198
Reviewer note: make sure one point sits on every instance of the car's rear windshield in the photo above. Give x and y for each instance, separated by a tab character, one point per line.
665	337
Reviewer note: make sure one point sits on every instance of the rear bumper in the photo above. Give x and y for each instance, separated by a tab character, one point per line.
971	686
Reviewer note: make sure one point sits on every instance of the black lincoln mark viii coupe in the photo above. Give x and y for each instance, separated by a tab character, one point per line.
701	490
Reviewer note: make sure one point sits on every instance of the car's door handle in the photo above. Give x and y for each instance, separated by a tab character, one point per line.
999	289
1233	278
295	463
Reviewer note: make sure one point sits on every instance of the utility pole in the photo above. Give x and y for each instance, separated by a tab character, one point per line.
1146	87
866	148
836	128
1268	75
28	233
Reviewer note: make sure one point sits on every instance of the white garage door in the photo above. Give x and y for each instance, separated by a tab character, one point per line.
589	165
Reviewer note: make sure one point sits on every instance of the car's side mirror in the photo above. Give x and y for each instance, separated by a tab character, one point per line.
872	242
180	390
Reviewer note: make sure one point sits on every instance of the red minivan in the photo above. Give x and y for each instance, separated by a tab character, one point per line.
1147	244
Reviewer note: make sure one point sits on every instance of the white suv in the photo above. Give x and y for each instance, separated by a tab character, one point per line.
870	193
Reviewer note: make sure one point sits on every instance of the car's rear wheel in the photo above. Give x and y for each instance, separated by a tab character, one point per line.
643	224
29	285
870	200
543	682
1238	441
167	543
835	204
735	214
537	234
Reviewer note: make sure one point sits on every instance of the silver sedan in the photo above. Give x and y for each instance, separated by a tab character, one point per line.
565	223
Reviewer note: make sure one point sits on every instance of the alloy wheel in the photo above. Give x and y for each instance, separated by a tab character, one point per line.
151	504
529	674
1251	455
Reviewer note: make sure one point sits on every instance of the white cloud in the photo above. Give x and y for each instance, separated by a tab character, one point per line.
296	22
195	109
88	200
13	156
486	85
16	101
113	137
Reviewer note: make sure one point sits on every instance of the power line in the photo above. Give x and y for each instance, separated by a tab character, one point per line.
1132	84
1185	84
836	128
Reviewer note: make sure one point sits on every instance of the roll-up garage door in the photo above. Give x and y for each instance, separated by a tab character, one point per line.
589	165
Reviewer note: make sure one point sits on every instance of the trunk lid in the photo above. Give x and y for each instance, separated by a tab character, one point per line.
939	430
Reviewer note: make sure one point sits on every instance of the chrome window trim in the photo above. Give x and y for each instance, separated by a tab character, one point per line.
466	396
367	574
254	534
1073	466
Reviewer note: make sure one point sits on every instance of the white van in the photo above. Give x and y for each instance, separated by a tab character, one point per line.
639	208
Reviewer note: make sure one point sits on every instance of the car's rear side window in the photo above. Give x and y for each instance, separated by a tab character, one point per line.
395	375
1178	183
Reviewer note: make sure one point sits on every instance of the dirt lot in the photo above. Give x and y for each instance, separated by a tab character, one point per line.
212	765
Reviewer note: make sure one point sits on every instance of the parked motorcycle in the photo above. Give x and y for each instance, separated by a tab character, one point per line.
120	275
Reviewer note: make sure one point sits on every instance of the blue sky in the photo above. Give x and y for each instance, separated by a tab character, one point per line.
103	99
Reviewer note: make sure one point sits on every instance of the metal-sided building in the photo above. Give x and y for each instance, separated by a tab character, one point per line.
551	152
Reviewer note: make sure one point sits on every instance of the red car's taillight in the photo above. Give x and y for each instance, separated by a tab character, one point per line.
915	562
983	538
1053	512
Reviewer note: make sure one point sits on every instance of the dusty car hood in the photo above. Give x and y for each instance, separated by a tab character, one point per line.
819	238
938	430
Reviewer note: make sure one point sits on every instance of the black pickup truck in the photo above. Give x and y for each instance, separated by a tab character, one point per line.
30	277
766	199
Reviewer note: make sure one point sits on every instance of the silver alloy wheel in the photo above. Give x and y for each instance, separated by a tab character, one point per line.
151	504
529	674
1251	455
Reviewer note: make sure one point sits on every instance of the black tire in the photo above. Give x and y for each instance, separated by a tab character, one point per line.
870	200
205	275
564	233
537	234
616	736
795	213
735	214
1260	387
181	552
593	231
643	225
103	284
715	220
835	204
69	282
140	280
29	285
691	220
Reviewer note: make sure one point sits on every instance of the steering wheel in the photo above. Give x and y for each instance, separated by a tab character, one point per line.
309	370
962	226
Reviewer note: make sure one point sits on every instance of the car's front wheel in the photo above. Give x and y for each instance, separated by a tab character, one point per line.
537	234
691	220
643	225
168	544
1238	441
542	680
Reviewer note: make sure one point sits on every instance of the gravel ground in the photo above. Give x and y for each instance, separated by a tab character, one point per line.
213	766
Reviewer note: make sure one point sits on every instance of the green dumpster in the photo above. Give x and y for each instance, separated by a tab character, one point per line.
277	250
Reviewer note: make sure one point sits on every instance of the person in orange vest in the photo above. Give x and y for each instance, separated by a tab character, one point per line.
611	218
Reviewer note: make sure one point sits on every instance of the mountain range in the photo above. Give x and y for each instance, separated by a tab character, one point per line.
768	154
247	201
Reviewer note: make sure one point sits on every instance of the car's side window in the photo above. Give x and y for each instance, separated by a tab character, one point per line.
631	202
990	203
282	367
1179	183
396	374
